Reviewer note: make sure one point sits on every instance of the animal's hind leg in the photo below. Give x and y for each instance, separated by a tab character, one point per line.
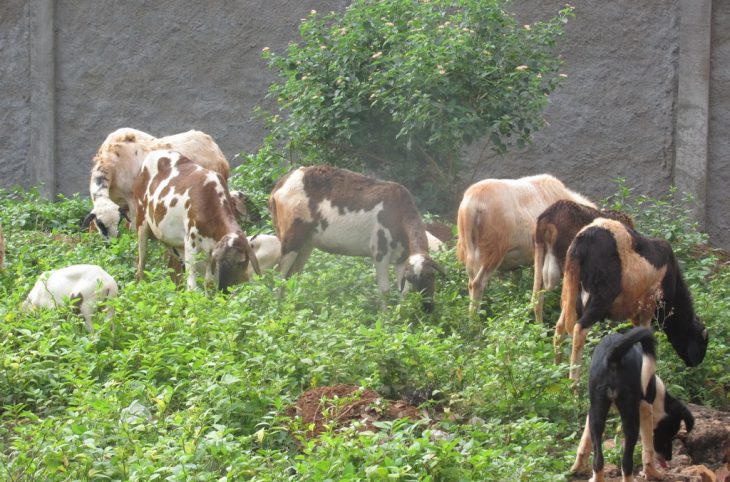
580	466
647	441
597	423
630	421
476	289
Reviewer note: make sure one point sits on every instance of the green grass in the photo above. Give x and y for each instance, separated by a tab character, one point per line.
196	386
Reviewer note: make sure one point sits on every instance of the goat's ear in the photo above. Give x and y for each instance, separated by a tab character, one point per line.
123	215
87	220
252	259
689	420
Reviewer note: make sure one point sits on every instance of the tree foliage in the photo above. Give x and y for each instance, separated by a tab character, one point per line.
402	86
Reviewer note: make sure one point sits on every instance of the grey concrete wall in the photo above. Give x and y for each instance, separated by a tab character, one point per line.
718	177
164	66
614	114
14	94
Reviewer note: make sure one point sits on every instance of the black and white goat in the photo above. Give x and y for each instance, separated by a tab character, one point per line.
343	212
556	227
189	208
613	272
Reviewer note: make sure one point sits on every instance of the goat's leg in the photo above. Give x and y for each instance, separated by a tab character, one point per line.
476	289
86	309
381	275
647	442
143	232
538	296
191	257
597	425
584	451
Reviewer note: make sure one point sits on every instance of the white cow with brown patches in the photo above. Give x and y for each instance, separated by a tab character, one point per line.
86	283
119	160
496	222
343	212
189	209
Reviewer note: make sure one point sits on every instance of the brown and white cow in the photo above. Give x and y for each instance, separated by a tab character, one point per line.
611	271
342	212
496	222
556	228
189	208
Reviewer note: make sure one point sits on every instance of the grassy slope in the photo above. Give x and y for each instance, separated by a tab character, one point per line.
194	386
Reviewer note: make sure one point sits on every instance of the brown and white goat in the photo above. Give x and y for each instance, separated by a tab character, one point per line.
119	160
188	207
611	271
496	222
343	212
556	227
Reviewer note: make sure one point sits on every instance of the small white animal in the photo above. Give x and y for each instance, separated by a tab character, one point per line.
267	248
88	283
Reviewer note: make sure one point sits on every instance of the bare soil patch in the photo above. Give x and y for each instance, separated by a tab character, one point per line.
339	405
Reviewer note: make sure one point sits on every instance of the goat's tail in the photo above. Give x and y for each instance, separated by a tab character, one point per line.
642	335
571	290
468	227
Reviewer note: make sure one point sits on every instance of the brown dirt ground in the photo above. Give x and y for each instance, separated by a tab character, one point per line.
340	405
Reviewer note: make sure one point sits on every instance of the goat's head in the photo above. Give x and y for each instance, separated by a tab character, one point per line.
106	215
231	255
420	275
666	428
690	343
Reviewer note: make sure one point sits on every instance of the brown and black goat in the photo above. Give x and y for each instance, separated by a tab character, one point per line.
611	271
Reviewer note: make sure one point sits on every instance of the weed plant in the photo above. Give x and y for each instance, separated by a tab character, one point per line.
196	385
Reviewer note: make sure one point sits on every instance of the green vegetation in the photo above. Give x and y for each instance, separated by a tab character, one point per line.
402	86
196	386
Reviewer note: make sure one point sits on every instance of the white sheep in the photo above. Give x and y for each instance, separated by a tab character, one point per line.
87	283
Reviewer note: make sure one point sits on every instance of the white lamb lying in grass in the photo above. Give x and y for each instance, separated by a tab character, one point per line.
88	283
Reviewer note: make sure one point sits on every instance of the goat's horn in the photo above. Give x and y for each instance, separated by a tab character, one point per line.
87	220
252	258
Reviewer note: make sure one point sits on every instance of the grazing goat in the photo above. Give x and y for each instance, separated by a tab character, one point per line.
624	375
117	164
188	207
87	283
438	235
343	212
556	228
267	249
496	222
611	271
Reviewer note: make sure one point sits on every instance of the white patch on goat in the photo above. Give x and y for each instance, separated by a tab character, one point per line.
648	370
584	295
658	406
293	192
353	233
550	271
417	261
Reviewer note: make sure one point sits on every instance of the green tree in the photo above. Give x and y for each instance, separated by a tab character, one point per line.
401	87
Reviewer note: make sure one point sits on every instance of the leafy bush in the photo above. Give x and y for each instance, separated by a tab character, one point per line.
402	86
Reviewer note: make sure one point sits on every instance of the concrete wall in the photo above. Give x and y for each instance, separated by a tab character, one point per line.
718	172
165	66
614	114
14	95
